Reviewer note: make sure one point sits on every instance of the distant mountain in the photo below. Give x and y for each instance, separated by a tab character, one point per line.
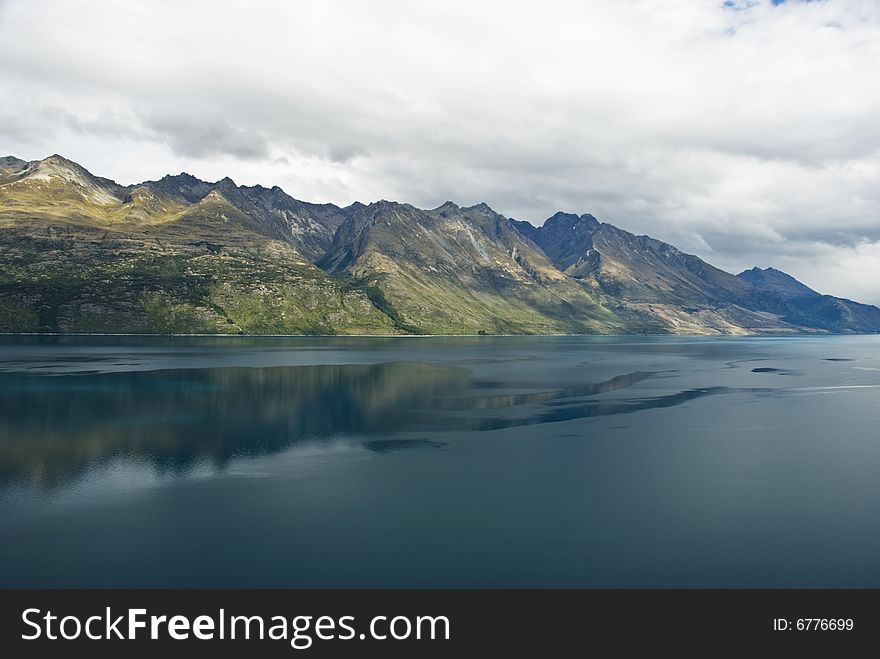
81	253
771	279
807	307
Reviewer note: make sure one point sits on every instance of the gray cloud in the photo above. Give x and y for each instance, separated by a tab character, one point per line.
746	134
205	135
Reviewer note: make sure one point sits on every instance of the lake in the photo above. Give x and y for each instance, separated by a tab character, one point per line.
440	462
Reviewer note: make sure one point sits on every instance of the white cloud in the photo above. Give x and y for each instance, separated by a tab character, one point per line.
747	133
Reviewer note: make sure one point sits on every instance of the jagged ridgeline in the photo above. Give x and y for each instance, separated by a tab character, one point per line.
80	253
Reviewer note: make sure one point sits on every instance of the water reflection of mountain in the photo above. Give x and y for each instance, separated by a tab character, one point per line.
53	428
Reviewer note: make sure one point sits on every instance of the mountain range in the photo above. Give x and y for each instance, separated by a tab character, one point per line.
81	253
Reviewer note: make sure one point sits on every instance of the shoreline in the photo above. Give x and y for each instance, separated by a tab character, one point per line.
434	336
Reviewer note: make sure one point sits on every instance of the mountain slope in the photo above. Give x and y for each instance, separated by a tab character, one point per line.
459	270
654	280
83	254
308	227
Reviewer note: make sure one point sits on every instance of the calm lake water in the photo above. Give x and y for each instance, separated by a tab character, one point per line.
441	462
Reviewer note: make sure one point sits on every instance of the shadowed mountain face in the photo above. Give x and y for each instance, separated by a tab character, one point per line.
771	279
81	253
807	307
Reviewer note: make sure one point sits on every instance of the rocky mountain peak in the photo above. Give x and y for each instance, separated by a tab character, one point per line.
11	162
448	207
777	281
482	207
183	177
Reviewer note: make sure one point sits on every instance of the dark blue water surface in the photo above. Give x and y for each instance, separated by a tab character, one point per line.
511	461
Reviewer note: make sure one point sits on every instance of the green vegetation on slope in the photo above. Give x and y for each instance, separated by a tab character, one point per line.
79	253
82	254
88	281
459	270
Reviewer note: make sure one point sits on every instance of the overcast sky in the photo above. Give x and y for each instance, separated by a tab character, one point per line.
747	132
